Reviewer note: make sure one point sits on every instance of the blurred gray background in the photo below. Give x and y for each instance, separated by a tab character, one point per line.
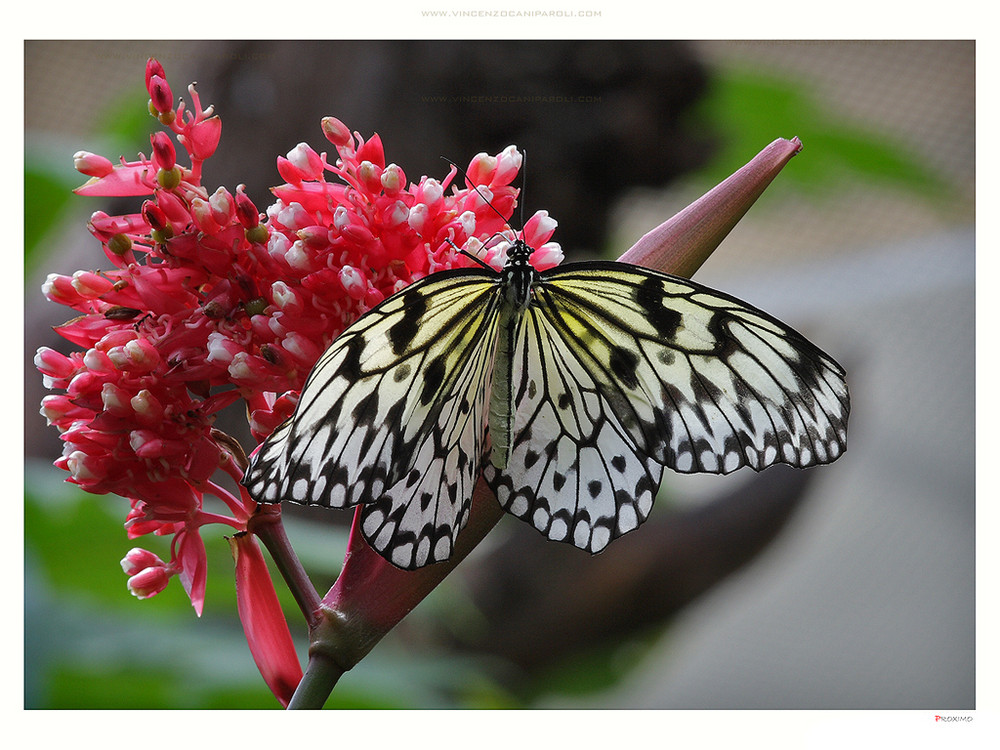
863	593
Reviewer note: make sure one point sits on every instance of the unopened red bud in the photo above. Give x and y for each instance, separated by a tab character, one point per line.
154	68
246	211
92	165
164	153
335	131
160	94
154	216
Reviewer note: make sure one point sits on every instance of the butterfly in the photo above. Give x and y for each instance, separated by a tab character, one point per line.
591	378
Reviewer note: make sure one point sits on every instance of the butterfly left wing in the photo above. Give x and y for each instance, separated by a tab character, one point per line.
392	417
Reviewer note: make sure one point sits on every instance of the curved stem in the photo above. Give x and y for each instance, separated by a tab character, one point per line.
227	497
266	524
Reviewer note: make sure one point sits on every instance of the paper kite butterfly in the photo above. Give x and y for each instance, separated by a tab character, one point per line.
591	377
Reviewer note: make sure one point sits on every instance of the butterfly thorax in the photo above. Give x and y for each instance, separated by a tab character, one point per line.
519	275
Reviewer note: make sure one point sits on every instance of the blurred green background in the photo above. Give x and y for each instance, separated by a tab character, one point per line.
888	167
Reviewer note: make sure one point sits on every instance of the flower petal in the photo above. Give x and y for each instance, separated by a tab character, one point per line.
263	621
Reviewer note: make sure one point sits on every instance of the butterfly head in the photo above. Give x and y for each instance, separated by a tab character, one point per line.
518	274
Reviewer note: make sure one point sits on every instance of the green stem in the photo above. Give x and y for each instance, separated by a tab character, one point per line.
266	524
317	683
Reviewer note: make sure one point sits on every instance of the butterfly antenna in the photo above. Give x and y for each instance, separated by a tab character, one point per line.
467	254
524	182
492	208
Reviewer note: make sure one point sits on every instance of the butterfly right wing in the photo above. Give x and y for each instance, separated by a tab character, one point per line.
403	388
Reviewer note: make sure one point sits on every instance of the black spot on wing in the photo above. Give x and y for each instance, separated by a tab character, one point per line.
350	366
402	332
623	366
649	296
433	377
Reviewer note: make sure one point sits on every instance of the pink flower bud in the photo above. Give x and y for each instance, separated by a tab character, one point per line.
160	94
148	444
481	169
354	282
116	400
341	217
201	214
54	364
221	349
335	131
155	216
59	288
164	154
137	559
137	355
148	582
60	410
246	211
358	234
547	256
293	217
539	228
173	207
508	164
154	68
92	165
417	217
223	207
285	298
90	284
393	179
370	176
316	236
468	223
297	257
301	348
306	161
288	171
147	407
395	214
84	469
430	192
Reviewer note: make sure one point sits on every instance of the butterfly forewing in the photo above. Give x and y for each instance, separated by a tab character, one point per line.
392	413
702	381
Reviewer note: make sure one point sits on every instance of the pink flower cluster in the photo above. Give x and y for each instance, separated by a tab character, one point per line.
204	304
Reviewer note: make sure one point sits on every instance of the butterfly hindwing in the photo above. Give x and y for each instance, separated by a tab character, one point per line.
574	472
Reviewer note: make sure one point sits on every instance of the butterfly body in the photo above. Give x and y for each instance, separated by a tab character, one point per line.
591	377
